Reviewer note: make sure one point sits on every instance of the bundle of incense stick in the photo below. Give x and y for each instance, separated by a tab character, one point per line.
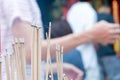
36	53
48	64
0	67
59	60
9	66
18	60
22	58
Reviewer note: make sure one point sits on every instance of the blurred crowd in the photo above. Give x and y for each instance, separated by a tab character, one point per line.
91	58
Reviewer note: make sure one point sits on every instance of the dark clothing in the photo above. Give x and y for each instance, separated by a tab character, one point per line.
109	61
73	57
60	28
45	7
106	17
105	50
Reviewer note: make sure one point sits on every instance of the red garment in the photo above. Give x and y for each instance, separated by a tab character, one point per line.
65	10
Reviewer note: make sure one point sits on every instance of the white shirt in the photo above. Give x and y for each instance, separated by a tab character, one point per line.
26	10
81	17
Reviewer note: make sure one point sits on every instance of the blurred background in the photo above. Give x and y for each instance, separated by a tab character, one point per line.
54	9
108	10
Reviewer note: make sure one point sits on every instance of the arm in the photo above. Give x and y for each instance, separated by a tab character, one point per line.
23	29
102	32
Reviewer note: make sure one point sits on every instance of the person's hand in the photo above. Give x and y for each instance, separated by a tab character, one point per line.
105	33
21	29
72	72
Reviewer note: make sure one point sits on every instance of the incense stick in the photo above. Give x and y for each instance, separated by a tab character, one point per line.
0	67
48	54
61	62
12	66
32	53
20	58
49	36
35	55
7	66
58	61
23	58
17	59
39	53
47	62
36	59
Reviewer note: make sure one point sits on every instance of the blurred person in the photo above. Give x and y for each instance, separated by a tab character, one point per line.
23	13
17	16
107	55
60	27
104	9
15	12
81	17
104	13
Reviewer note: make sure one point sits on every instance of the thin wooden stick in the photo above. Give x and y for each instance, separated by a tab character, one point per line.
60	66
12	66
48	54
39	53
0	67
49	36
23	58
61	62
35	55
32	53
20	58
16	48
15	61
47	63
7	65
58	61
47	68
